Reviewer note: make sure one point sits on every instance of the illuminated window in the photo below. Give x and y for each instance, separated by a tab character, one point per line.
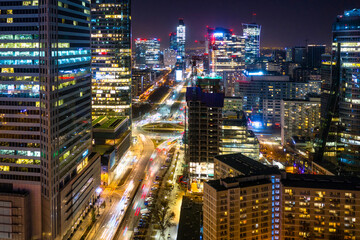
4	168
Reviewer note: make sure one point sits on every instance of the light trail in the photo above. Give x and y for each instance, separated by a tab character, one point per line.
111	226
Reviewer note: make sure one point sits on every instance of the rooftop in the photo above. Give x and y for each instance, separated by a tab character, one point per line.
321	181
104	122
246	165
235	182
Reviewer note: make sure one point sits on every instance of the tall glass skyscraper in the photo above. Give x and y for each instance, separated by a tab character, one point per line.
181	40
346	32
45	116
173	41
226	50
111	57
147	53
252	43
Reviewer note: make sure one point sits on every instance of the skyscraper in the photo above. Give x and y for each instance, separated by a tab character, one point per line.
205	103
299	118
227	56
173	41
344	29
45	132
147	52
252	42
181	40
313	55
339	137
111	57
226	50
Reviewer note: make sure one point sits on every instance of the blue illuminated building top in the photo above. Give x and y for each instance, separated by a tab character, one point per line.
349	21
352	13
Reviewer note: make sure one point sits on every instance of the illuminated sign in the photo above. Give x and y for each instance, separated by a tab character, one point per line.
219	34
178	75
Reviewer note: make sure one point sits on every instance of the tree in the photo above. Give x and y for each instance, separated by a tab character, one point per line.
93	218
162	215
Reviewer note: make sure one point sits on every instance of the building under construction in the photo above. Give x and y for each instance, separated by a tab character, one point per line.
205	102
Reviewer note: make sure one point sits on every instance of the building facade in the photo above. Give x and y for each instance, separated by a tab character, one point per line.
299	118
173	41
251	201
252	42
147	53
170	57
204	104
227	50
111	57
345	27
181	41
236	138
313	56
46	105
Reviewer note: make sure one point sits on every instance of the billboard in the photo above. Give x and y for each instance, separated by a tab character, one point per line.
178	75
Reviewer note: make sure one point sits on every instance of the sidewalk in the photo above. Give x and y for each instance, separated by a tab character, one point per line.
105	196
81	228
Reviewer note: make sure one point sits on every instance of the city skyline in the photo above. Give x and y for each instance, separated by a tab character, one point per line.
304	19
103	137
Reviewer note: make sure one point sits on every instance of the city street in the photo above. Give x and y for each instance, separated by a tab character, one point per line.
124	203
106	226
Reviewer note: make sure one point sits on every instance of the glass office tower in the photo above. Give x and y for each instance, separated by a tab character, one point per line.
147	53
111	57
346	32
252	43
173	41
45	114
181	40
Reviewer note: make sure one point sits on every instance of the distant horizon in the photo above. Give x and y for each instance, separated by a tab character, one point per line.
284	23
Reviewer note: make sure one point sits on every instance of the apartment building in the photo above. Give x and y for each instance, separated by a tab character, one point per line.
251	201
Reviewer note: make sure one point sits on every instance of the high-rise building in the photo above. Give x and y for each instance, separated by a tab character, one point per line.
236	138
261	93
226	50
296	55
253	201
340	114
204	104
299	118
227	56
170	57
173	41
289	54
345	27
142	79
313	55
332	145
147	53
111	57
45	133
252	42
181	41
299	55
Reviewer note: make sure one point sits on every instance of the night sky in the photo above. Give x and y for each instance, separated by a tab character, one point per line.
284	22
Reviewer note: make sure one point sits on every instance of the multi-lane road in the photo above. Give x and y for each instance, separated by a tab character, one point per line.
124	202
120	196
